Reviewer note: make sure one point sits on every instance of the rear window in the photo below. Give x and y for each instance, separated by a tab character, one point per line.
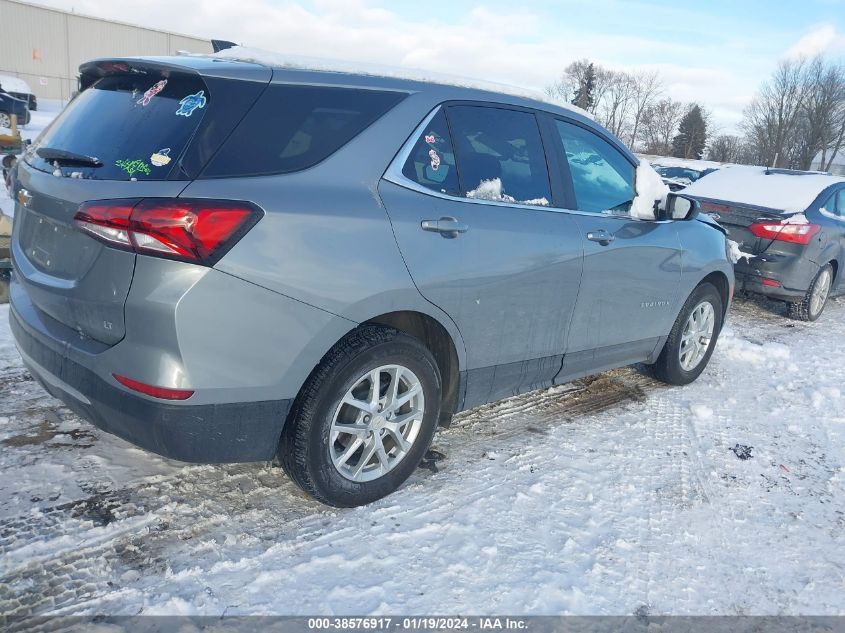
137	126
294	127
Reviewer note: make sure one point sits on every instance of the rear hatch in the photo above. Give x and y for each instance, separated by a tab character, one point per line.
139	129
736	218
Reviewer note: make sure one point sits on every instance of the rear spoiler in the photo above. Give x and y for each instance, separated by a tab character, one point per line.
94	70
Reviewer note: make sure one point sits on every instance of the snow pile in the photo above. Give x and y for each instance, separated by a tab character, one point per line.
736	253
306	62
5	131
735	348
492	190
789	193
650	189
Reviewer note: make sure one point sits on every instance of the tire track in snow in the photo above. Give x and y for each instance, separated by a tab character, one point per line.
148	518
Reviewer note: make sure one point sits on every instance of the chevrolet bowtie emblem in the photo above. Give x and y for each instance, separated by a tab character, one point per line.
24	197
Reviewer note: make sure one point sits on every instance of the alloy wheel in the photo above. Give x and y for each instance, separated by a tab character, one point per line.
376	423
696	336
821	289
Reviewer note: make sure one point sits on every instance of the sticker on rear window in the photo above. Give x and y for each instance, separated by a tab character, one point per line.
132	167
430	139
190	103
161	157
152	92
435	159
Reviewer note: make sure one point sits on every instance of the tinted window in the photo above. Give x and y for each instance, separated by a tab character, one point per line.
136	125
830	204
432	160
500	155
601	175
292	128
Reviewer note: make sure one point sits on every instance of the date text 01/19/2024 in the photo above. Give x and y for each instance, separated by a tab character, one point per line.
418	623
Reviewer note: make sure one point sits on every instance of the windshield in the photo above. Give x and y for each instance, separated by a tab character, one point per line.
137	126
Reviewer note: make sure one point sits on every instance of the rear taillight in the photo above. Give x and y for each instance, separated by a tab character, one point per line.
199	231
795	233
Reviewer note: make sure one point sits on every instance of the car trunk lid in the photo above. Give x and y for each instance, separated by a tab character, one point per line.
736	218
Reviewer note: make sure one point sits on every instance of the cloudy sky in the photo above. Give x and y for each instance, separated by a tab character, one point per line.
716	52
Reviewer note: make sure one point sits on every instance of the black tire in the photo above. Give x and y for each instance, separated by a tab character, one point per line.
668	367
304	446
802	310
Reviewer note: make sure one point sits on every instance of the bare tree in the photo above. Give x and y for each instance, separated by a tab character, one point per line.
726	148
577	77
615	106
772	119
824	107
646	88
658	125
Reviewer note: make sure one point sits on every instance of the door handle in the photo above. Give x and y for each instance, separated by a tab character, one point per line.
447	227
601	236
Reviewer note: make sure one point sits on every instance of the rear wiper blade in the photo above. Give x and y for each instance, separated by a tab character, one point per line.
65	157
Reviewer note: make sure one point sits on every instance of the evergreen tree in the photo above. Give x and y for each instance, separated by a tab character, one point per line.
584	98
692	134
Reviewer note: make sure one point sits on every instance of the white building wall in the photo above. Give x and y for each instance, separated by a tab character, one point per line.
45	47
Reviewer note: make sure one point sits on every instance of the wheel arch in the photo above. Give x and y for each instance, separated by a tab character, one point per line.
439	342
720	280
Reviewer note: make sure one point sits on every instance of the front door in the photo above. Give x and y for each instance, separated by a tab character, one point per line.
632	267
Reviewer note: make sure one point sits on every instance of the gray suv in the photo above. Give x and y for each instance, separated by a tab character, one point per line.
237	262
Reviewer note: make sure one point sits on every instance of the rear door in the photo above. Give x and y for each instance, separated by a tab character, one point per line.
632	267
128	136
501	262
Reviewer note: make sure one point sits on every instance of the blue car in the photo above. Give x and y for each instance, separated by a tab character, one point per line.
10	105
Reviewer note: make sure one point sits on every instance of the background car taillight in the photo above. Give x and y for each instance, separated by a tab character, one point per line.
193	230
796	233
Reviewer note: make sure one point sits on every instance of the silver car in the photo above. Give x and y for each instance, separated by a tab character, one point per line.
223	261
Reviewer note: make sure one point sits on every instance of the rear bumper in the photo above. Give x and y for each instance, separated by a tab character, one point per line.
794	274
202	433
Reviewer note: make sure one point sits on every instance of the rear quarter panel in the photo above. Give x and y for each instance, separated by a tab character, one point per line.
326	239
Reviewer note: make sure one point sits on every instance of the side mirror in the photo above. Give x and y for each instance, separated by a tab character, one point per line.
679	207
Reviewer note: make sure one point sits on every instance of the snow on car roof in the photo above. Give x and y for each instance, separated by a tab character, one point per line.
698	165
787	192
14	84
302	62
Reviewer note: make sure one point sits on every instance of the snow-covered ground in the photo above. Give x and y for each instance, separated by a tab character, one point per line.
612	495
